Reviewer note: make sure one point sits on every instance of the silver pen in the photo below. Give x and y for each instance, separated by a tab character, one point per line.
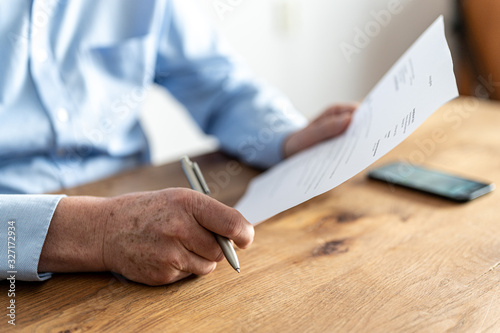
197	182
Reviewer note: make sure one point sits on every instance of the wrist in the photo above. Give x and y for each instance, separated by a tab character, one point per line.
75	237
291	144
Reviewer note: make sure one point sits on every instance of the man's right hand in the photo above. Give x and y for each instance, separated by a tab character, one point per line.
149	237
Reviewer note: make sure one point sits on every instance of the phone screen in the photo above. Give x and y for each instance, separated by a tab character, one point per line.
431	181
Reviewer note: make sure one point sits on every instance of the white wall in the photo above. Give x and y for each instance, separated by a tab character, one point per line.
302	47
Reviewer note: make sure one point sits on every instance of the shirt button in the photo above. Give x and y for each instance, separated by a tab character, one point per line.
41	55
62	115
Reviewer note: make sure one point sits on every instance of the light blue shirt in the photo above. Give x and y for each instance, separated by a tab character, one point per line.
73	75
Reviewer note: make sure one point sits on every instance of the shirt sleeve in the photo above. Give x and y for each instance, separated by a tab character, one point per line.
27	218
250	118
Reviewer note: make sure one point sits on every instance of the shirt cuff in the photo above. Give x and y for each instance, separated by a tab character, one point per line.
27	217
267	148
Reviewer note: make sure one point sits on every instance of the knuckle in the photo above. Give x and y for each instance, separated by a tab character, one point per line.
165	278
179	230
207	269
182	197
191	201
176	263
199	204
169	278
155	278
219	256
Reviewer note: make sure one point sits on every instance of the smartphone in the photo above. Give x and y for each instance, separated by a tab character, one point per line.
434	182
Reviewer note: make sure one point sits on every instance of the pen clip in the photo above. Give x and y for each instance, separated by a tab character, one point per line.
201	180
194	175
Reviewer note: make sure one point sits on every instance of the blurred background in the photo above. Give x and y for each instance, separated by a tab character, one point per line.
320	52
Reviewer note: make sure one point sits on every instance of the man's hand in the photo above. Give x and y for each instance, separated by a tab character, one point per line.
150	237
161	237
332	122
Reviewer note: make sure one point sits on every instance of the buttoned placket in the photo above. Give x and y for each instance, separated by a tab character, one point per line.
48	80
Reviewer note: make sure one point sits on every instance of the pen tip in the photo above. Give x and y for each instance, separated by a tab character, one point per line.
238	270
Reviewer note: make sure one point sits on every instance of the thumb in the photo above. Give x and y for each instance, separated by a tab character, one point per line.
223	220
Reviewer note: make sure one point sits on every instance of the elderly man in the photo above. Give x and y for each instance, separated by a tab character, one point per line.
69	71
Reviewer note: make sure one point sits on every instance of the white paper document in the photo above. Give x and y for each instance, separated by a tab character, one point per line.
420	82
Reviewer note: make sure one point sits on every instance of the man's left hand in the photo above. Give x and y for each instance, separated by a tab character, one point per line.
332	122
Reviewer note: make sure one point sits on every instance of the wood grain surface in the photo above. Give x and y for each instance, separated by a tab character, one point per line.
364	256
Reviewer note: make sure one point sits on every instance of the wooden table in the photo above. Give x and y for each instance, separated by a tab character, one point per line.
362	257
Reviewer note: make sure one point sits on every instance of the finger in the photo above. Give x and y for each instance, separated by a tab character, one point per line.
335	125
223	220
193	263
175	265
158	275
174	276
328	128
337	110
202	242
329	124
